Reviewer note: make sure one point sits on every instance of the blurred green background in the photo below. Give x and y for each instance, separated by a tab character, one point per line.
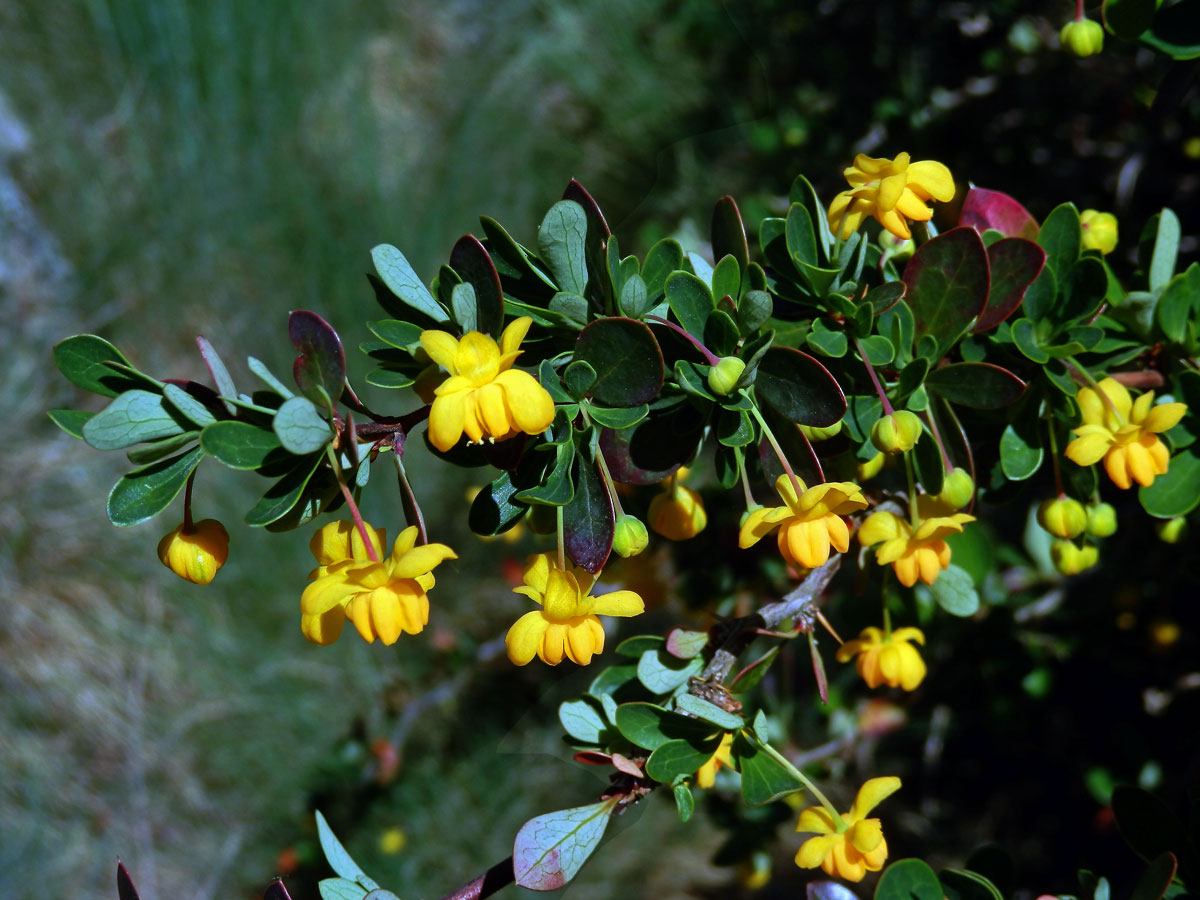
172	168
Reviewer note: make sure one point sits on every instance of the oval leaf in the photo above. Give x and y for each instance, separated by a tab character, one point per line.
1177	492
728	233
238	445
82	357
144	493
473	264
983	209
133	417
588	520
627	360
1015	264
764	778
947	285
321	365
300	428
908	879
562	240
549	850
691	301
402	281
978	385
799	388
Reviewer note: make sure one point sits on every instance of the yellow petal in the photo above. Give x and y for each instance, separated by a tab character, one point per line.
325	628
894	222
759	523
912	668
493	411
882	526
866	835
446	419
804	543
554	644
871	794
1091	407
331	543
580	645
890	189
561	599
514	333
1118	394
892	550
908	633
932	179
478	357
619	603
325	593
420	560
1090	448
1141	406
906	569
813	851
525	637
815	819
531	405
1115	466
537	571
441	348
1140	464
1164	417
385	615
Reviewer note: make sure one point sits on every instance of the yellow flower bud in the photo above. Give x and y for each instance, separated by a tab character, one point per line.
869	469
1071	559
1099	231
1172	531
723	377
1063	517
678	513
815	434
1101	520
195	555
1082	38
957	489
630	537
896	433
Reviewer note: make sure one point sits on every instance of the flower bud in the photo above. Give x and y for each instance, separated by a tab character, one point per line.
723	377
629	537
815	434
1101	520
869	469
1071	559
1099	231
958	488
195	555
1172	531
1063	517
678	513
1082	38
896	433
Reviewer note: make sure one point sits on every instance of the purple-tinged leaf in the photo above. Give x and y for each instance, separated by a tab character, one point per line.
550	850
947	285
321	365
728	233
627	360
976	384
220	375
276	891
588	521
799	388
686	644
125	888
984	209
818	664
595	242
577	192
474	266
1015	263
638	455
1158	876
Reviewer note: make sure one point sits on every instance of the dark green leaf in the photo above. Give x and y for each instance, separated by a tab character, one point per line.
145	492
729	235
801	236
879	349
1015	264
402	335
187	405
550	380
1178	492
618	418
908	879
1180	303
152	452
588	521
654	448
708	712
799	388
753	311
556	488
802	192
1127	19
386	378
260	369
734	428
960	884
825	340
638	644
690	300
463	307
721	333
1084	289
494	511
571	307
685	803
320	369
81	359
992	862
627	360
1176	31
70	420
220	374
650	726
1024	334
238	445
661	673
1149	826
285	493
550	850
1061	238
402	281
947	285
750	676
764	778
1021	448
474	266
513	263
634	299
883	297
578	378
300	427
132	417
664	258
978	385
1156	879
676	758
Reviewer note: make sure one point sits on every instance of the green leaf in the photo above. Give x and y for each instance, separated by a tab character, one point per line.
238	445
879	349
729	236
1156	879
300	427
825	340
320	369
1149	826
627	360
721	333
686	644
572	307
961	884
753	311
634	300
1024	334
132	417
1041	295
550	849
260	369
285	493
588	520
1127	19
340	889
187	405
81	359
651	726
1083	291
1166	250
402	281
685	803
1015	265
883	297
954	591
799	388
664	258
947	285
662	673
70	420
752	674
801	236
145	492
727	279
1176	31
908	879
562	241
474	266
337	857
802	192
1021	449
493	511
691	301
678	758
556	489
764	778
734	428
578	378
977	385
1061	237
1180	303
708	712
1177	492
618	418
463	307
638	644
155	450
582	720
387	378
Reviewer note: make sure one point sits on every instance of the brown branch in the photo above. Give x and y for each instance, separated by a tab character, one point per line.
498	876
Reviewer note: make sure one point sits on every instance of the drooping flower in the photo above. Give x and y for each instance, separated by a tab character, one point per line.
810	521
920	552
893	191
195	554
1099	231
855	845
1124	433
484	396
567	624
677	512
886	658
707	773
383	599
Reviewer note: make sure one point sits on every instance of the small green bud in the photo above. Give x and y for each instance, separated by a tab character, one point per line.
1082	38
815	434
630	537
723	377
958	488
1071	559
1172	531
1101	520
869	469
897	433
1063	517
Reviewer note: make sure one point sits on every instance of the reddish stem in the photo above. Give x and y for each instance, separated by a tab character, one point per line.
708	354
887	406
498	876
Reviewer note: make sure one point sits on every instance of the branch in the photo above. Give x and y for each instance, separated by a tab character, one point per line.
498	876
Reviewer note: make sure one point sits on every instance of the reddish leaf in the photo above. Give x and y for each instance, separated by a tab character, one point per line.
947	281
728	233
628	766
276	891
799	388
475	267
125	888
976	384
577	192
588	521
627	360
1015	263
984	209
321	363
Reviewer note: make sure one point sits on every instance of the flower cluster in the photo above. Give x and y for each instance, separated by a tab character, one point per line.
893	191
913	550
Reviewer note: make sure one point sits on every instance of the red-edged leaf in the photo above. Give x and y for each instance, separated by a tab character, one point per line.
588	521
984	209
947	281
321	363
475	267
276	891
728	233
577	192
627	765
125	888
1015	263
550	849
592	758
975	384
818	664
799	388
1158	876
627	360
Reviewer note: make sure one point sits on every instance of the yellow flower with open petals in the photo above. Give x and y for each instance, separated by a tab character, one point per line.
1124	433
567	623
891	190
810	521
886	658
707	773
383	599
853	846
484	396
920	552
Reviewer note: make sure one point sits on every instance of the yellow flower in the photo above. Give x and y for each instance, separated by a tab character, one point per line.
855	845
913	552
1099	231
567	624
707	773
484	396
382	599
886	658
677	513
1124	433
197	554
809	522
892	191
